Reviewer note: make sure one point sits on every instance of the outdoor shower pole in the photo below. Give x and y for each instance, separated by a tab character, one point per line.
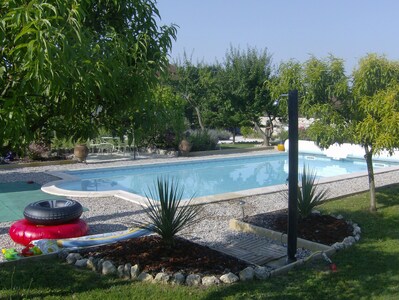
292	175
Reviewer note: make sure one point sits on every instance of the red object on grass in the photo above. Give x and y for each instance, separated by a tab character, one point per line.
333	267
23	232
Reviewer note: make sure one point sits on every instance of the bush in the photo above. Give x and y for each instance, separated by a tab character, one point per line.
168	216
247	131
220	134
309	195
202	140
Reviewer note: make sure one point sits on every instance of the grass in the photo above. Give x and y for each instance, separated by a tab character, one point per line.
238	146
368	270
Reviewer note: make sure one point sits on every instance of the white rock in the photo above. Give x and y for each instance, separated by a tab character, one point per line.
349	241
339	217
193	279
92	263
356	230
72	258
144	276
178	278
210	280
162	277
134	272
108	268
357	237
338	246
229	278
261	273
81	263
316	212
247	274
120	271
126	270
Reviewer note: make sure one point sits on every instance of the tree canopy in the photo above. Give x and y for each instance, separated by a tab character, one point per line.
70	67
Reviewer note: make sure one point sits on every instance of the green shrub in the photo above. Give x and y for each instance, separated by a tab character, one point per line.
167	215
220	134
309	195
247	131
202	140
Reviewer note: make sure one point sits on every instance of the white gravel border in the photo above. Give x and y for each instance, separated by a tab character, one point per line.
107	214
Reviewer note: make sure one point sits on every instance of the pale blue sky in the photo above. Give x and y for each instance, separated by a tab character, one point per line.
348	29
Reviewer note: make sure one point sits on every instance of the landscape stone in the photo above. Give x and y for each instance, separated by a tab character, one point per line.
120	271
108	268
356	230
229	278
134	272
81	263
72	258
144	276
349	241
247	274
193	279
126	270
162	277
178	278
357	237
210	280
261	273
92	263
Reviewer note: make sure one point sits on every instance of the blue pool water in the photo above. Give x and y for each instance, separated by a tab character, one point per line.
211	177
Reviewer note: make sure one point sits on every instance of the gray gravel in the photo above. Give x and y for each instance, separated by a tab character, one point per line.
109	214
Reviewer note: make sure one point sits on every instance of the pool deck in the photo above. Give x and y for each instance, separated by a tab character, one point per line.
109	213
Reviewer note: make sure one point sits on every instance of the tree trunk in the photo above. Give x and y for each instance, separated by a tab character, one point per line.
369	159
265	135
199	117
234	135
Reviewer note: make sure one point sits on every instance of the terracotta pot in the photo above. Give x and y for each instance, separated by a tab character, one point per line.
81	152
185	146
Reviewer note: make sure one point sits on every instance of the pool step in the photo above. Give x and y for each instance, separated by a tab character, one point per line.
253	250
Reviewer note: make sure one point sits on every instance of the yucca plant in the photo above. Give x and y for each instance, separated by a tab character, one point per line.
309	195
168	216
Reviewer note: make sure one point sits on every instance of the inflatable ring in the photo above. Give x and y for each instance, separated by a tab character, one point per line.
23	232
53	212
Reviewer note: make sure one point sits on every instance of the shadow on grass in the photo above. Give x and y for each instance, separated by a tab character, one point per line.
49	277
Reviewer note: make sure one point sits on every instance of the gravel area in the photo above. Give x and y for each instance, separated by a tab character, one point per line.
111	214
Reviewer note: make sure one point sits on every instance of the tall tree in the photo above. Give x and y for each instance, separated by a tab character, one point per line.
72	66
246	74
367	114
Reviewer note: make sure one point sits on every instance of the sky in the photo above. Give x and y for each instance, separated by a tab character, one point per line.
288	29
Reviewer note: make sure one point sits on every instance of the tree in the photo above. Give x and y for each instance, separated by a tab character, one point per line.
245	75
195	83
70	67
366	115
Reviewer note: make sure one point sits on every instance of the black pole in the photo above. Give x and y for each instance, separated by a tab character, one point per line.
292	175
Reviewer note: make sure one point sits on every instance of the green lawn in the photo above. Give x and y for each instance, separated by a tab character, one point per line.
238	145
368	270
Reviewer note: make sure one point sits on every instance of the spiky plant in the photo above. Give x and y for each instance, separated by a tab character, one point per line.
309	195
168	216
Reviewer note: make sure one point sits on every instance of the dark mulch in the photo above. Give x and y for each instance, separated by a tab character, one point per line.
152	256
324	229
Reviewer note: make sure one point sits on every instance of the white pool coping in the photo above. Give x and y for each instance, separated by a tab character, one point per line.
52	188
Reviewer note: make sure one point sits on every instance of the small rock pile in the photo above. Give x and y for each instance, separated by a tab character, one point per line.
350	240
129	272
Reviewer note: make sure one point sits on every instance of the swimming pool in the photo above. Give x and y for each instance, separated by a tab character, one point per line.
203	178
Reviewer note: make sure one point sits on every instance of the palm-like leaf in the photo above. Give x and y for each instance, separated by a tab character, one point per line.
309	196
167	215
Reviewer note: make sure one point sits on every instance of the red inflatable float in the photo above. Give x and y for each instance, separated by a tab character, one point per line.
23	232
